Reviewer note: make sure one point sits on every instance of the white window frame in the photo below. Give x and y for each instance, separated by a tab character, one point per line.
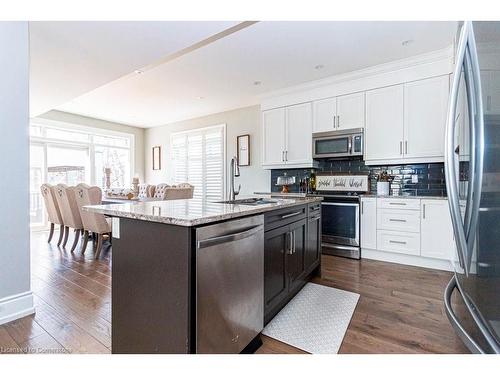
224	150
90	145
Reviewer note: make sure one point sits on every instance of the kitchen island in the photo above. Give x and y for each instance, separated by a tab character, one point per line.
205	277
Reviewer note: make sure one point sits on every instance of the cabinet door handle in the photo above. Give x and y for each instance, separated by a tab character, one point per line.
423	211
398	242
293	242
398	220
291	215
397	203
286	155
400	147
338	121
282	155
290	243
334	122
362	207
406	147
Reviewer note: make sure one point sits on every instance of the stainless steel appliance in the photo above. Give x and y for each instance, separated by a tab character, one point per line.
229	285
472	166
338	143
340	211
340	225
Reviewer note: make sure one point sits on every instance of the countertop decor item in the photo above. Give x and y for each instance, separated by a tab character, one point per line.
243	150
284	181
107	174
156	158
383	183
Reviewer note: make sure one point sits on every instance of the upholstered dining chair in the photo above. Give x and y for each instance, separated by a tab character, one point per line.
181	191
53	212
160	191
65	196
146	191
92	222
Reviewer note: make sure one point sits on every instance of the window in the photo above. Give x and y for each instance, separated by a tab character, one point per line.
71	154
198	158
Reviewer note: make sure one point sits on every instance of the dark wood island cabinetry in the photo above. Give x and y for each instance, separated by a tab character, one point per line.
154	272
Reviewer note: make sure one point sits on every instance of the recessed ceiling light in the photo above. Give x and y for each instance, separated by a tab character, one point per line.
138	71
257	83
318	67
407	42
200	97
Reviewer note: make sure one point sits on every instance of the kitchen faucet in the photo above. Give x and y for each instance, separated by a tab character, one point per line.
235	172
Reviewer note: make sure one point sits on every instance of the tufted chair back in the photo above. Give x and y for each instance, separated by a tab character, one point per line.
161	191
49	197
65	197
146	191
86	195
181	191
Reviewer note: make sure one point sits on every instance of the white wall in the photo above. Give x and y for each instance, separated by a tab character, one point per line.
238	122
106	125
15	296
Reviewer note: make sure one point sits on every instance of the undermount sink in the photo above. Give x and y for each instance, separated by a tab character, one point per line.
250	201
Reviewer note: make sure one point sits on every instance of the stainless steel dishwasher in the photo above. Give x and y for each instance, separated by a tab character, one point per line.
229	285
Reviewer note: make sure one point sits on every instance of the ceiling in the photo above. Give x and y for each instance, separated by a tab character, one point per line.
69	59
210	77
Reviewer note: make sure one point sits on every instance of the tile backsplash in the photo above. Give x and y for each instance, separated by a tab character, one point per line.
430	176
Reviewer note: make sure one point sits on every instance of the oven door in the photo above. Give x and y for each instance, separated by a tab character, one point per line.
328	147
340	223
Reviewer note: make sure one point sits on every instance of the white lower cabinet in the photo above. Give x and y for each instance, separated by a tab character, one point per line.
407	230
436	230
399	242
369	223
396	219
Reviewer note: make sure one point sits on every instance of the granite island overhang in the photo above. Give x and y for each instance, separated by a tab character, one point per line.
156	272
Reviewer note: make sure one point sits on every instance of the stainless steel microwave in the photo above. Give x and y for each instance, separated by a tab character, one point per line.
338	143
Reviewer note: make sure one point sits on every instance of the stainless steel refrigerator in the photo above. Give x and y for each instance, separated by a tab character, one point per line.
472	165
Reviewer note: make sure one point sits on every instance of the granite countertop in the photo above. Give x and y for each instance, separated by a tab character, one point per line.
193	212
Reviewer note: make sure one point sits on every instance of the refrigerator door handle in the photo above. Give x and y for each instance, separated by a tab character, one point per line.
478	145
471	106
455	322
449	155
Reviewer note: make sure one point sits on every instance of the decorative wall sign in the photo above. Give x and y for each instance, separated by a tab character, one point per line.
342	183
243	150
156	158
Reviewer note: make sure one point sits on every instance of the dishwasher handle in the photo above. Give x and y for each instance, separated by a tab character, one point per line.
247	232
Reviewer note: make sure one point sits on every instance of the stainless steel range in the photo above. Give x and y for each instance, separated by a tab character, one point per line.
340	211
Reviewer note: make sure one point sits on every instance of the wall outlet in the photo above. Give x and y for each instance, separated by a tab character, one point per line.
414	178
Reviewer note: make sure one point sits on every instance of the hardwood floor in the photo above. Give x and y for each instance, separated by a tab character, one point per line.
400	310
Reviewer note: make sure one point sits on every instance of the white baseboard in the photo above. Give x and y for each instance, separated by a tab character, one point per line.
16	307
410	260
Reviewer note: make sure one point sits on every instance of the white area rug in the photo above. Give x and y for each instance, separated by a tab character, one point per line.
315	320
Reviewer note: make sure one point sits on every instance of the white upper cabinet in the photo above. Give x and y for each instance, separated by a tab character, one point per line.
298	148
273	124
407	123
425	111
287	137
384	124
351	111
339	113
325	112
436	230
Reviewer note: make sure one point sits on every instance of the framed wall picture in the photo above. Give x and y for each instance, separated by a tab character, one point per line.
156	158
243	150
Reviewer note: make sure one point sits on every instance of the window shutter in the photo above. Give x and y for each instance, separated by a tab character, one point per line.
198	158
